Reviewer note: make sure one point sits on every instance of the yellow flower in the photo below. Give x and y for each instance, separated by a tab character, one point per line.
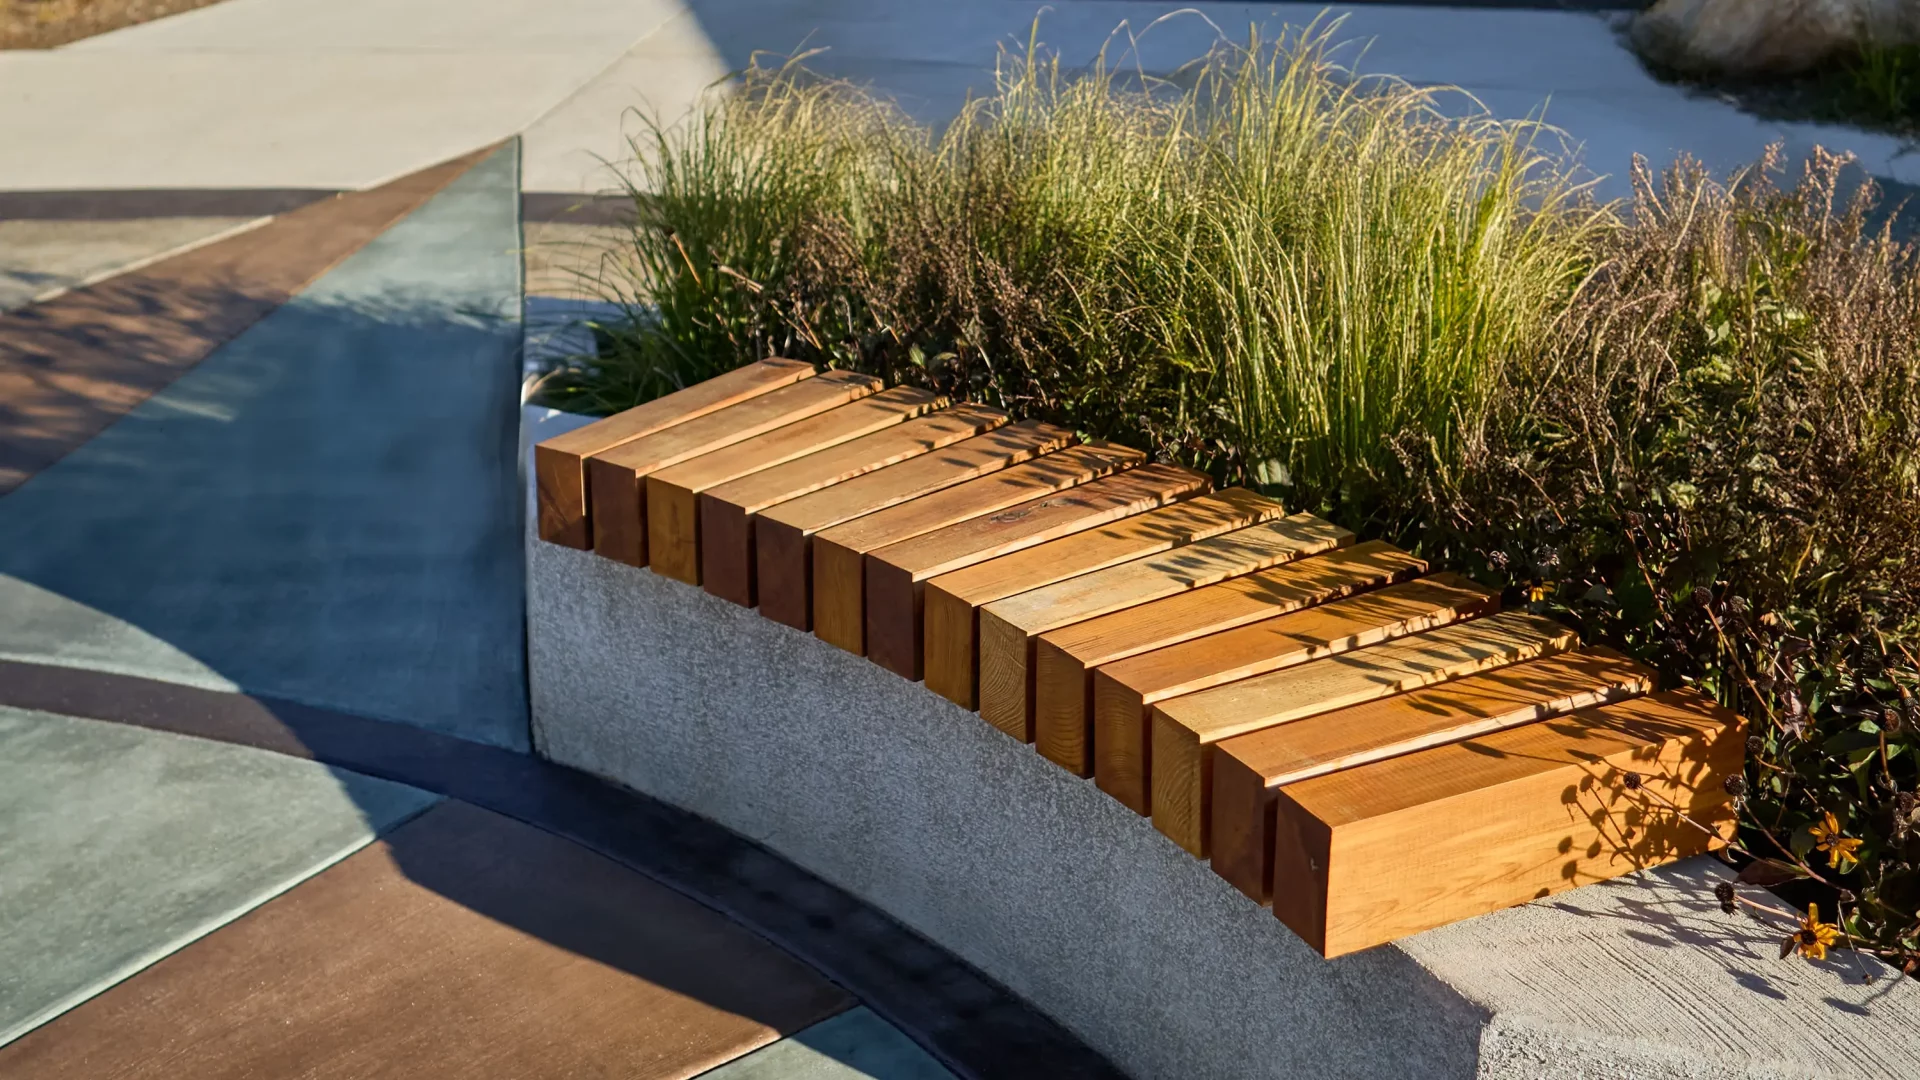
1540	592
1840	849
1814	937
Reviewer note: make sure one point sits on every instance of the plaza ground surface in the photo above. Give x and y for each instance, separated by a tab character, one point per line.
266	273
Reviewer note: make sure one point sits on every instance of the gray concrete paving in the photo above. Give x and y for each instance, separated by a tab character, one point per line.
42	258
119	845
345	93
324	509
856	1045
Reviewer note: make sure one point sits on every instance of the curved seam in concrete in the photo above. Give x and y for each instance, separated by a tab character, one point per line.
236	718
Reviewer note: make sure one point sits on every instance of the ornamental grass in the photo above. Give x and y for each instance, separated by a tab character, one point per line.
1687	422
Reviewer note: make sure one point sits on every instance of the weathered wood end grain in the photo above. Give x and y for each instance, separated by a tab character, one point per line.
1008	627
950	656
559	463
1372	854
1186	729
897	574
783	534
616	479
673	520
728	511
1248	770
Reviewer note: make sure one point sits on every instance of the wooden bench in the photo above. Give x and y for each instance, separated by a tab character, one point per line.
1370	748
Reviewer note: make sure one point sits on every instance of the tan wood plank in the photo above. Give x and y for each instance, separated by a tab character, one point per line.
616	478
1064	659
896	575
1186	729
729	511
1008	627
1376	853
560	463
1119	696
951	651
783	534
839	553
673	523
1249	770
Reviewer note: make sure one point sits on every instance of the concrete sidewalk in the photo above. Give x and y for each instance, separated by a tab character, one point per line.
346	93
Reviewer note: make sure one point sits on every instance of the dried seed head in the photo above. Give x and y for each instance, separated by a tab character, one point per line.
1632	781
1735	786
1702	597
1726	895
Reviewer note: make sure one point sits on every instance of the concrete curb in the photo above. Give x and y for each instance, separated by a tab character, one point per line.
1047	885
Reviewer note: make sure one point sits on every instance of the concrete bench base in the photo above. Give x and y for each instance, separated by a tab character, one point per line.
1078	905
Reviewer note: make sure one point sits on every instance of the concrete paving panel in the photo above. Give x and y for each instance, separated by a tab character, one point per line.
119	845
40	257
340	120
323	510
856	1045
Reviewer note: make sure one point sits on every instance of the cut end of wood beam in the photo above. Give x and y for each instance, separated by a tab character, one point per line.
559	463
839	596
1502	819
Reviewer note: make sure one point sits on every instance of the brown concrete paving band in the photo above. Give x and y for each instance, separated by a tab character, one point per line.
975	1027
73	365
463	945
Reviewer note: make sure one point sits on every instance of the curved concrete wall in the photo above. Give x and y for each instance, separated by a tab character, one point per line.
1078	905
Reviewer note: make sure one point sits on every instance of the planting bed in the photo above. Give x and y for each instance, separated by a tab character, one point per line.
1305	710
1370	750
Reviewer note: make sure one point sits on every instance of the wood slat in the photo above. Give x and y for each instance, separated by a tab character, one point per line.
896	575
1008	627
1372	854
1064	659
1124	692
560	463
1186	729
783	534
1249	770
839	553
616	478
951	651
673	521
728	512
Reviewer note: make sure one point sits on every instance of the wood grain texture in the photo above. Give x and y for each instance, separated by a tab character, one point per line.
464	945
1372	854
1064	659
1185	729
897	574
728	511
1250	769
951	651
1121	694
839	553
783	534
673	520
560	463
1008	627
616	479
